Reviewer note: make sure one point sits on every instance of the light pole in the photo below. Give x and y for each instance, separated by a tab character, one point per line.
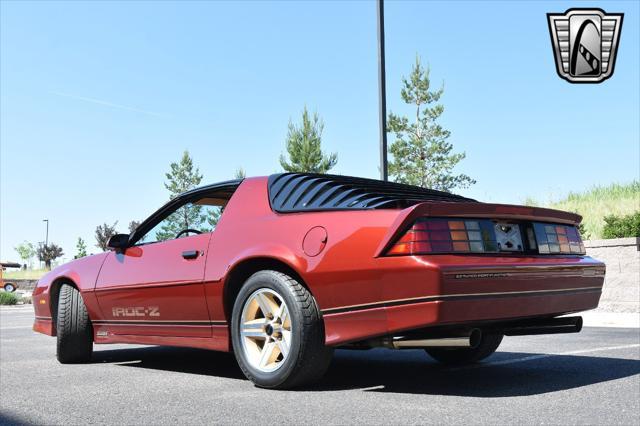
382	93
40	261
46	240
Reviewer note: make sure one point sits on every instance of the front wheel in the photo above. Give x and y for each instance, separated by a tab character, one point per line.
277	332
488	345
73	327
9	287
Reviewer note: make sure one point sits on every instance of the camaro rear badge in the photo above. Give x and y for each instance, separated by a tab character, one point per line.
136	311
481	275
585	43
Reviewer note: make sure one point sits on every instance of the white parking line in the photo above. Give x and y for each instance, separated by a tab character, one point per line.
541	356
20	314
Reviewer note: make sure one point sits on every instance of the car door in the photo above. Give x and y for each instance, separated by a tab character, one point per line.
156	287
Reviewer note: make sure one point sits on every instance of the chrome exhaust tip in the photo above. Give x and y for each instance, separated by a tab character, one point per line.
470	339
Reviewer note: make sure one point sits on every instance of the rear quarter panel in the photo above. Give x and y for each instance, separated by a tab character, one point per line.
345	272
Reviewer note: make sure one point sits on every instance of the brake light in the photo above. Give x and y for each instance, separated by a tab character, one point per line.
554	239
447	236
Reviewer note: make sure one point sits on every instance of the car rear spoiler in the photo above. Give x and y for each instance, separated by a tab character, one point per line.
409	215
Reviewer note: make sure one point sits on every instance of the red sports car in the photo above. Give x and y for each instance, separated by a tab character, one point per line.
283	269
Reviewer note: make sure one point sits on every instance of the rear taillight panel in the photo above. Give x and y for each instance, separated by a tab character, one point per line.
558	239
478	236
447	236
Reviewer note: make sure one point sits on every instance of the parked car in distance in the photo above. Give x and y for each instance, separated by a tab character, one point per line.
283	269
8	285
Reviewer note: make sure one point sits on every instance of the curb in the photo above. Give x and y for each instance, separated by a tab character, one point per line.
611	319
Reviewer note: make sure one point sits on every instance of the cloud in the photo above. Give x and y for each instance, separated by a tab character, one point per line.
109	104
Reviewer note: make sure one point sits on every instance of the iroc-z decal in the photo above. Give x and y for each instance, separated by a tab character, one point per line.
136	311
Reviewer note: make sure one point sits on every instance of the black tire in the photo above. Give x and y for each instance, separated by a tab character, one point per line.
488	345
308	357
9	287
73	328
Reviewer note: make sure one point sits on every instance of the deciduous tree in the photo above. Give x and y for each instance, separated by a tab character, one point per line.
26	251
133	225
103	233
49	253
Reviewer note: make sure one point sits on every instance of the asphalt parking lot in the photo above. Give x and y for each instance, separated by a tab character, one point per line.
587	378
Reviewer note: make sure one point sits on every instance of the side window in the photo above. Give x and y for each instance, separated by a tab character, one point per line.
201	215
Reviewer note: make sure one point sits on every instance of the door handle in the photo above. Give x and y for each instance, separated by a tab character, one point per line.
190	254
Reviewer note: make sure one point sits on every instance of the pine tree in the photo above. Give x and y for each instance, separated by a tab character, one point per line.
81	248
421	153
214	213
182	177
240	173
304	147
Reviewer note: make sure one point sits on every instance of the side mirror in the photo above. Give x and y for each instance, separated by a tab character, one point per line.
118	242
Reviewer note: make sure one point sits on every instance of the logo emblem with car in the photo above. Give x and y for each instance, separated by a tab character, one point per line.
585	43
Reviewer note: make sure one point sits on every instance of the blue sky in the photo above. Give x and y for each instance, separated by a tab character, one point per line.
97	98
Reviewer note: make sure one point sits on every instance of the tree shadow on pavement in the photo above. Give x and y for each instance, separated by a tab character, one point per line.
407	371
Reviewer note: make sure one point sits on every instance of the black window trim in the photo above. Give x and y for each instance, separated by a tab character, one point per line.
172	205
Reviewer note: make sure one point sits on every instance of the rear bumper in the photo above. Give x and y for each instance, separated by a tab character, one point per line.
350	326
487	308
482	290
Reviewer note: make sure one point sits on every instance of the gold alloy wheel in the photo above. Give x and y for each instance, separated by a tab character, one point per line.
265	330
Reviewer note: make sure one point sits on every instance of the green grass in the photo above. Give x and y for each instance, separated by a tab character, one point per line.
8	298
596	203
29	274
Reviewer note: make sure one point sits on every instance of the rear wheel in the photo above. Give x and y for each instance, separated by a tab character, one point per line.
73	328
488	345
9	287
277	332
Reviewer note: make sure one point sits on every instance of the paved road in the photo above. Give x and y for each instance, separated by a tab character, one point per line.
591	378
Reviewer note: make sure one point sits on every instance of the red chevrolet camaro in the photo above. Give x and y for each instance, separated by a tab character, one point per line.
283	269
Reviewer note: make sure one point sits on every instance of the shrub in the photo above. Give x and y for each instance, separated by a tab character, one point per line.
595	203
8	298
584	233
621	227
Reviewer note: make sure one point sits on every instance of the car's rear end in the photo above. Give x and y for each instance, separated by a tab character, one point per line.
442	264
497	266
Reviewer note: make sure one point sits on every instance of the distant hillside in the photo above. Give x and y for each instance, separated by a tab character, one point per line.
596	203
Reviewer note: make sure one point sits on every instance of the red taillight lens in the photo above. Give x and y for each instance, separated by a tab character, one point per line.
446	236
449	235
558	239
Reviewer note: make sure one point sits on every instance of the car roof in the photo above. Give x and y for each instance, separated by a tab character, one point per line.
298	192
